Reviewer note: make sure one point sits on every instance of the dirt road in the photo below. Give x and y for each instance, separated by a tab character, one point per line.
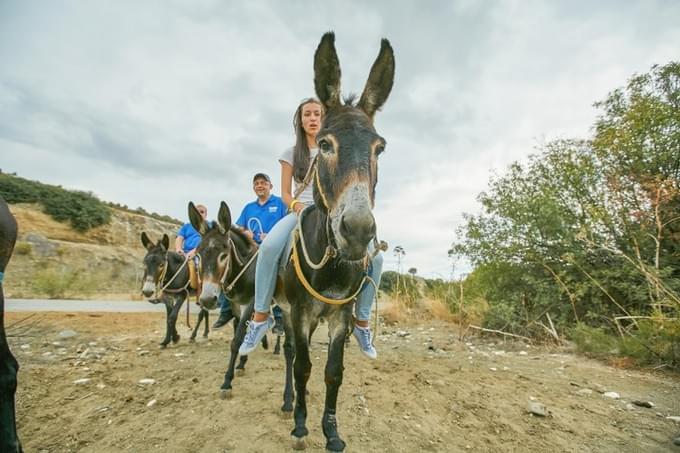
81	391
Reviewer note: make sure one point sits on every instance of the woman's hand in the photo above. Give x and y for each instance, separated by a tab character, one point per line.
298	207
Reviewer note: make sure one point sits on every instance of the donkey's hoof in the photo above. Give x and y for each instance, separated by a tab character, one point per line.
240	371
287	411
205	335
335	444
175	339
226	394
299	443
163	345
192	340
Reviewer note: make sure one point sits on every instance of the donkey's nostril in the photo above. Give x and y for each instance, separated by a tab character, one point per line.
344	229
359	227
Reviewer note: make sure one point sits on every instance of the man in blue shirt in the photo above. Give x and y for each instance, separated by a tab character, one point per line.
259	216
256	220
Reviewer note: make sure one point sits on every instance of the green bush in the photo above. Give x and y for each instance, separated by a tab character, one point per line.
594	340
23	248
654	341
81	209
58	284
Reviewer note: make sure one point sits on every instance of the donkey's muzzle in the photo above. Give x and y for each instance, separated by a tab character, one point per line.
357	229
148	288
209	295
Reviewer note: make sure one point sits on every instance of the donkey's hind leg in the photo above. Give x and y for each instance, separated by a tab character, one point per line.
201	318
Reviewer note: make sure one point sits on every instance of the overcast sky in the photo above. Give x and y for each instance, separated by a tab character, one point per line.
153	104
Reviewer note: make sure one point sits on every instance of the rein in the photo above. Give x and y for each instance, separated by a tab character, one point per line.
245	267
314	293
162	277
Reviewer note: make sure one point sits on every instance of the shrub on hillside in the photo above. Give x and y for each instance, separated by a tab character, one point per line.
58	284
23	248
81	209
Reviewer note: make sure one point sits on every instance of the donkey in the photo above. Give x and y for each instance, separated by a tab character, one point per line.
228	259
9	441
169	271
341	219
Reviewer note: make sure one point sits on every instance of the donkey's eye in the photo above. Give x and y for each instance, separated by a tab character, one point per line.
222	257
325	146
379	149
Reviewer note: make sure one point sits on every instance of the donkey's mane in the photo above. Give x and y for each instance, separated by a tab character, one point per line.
351	99
245	245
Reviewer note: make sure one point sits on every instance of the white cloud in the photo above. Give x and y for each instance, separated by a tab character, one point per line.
155	103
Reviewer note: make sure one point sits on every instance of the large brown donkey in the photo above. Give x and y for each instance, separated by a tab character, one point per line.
9	441
341	220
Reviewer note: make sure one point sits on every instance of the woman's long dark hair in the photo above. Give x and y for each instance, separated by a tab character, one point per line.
301	149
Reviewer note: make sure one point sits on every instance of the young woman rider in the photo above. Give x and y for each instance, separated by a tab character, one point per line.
295	163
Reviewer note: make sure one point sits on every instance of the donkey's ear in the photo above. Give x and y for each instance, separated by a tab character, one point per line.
380	80
327	72
196	219
146	242
224	216
165	242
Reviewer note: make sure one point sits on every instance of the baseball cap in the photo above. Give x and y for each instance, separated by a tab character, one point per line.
261	176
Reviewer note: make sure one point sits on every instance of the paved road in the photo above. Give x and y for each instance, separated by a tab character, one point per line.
125	306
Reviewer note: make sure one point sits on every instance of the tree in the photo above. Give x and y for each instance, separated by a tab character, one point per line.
399	252
587	230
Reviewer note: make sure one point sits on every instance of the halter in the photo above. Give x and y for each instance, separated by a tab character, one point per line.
227	266
230	286
330	252
161	277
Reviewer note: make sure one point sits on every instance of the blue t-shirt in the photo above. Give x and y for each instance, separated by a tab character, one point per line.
261	218
191	237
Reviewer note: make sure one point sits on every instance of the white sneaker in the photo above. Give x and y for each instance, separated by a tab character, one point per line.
363	336
256	330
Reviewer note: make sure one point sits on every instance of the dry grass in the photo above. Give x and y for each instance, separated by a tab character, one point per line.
399	311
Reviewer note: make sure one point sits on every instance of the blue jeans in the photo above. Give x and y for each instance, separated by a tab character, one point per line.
268	259
225	305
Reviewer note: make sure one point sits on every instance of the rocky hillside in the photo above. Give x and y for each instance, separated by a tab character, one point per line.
51	259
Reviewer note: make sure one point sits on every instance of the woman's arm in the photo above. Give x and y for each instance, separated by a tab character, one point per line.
287	186
286	182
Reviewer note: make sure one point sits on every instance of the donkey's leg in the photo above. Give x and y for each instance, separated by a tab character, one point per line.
178	301
9	367
239	334
277	347
8	385
302	370
289	354
242	360
333	377
206	329
167	301
201	316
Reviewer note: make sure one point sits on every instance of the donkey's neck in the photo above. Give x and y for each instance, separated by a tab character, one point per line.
181	276
315	231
